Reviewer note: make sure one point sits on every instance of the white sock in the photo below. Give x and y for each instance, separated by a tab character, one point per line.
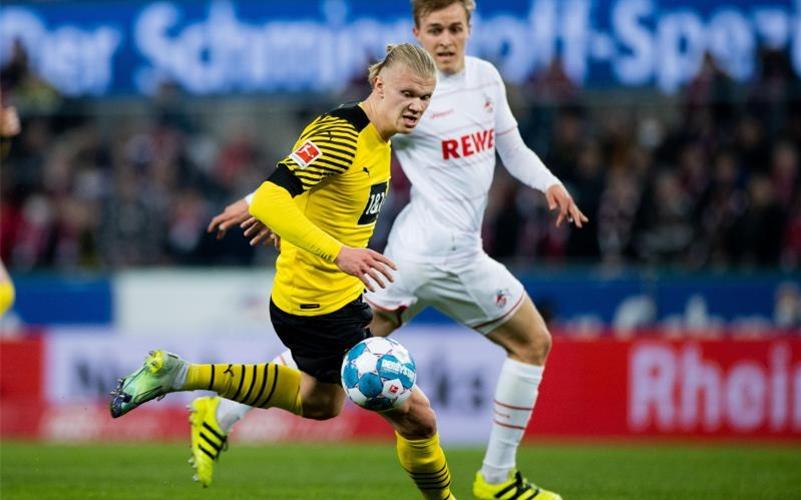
515	395
230	412
180	378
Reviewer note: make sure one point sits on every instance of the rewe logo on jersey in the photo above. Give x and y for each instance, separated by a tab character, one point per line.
469	144
306	154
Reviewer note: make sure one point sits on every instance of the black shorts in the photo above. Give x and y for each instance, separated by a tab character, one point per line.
318	343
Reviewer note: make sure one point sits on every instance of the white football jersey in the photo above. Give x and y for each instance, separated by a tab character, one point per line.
450	160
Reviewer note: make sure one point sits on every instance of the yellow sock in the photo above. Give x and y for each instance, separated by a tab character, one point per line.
425	462
266	385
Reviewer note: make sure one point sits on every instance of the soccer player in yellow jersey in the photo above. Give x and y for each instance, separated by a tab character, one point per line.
323	201
436	242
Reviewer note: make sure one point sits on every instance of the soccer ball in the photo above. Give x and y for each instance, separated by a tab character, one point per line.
378	374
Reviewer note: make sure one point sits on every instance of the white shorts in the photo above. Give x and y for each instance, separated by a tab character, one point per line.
479	292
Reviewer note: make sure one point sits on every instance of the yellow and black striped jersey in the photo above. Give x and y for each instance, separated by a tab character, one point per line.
338	174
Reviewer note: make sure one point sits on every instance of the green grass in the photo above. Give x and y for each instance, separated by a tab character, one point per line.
655	471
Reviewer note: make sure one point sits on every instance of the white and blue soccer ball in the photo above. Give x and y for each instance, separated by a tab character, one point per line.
378	374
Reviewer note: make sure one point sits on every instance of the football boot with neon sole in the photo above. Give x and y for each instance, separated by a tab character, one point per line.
153	380
208	438
516	487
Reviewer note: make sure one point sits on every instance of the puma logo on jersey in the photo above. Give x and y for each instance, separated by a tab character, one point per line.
306	154
469	144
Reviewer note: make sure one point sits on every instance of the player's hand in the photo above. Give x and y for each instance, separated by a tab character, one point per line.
260	234
9	121
233	215
559	198
364	263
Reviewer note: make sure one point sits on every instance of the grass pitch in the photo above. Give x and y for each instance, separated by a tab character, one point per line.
370	471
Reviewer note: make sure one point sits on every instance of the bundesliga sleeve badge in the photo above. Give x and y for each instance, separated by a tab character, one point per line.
306	154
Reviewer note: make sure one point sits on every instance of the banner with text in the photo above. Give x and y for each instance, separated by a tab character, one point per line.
219	47
650	388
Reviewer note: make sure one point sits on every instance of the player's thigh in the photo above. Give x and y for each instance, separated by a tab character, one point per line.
398	303
524	335
480	293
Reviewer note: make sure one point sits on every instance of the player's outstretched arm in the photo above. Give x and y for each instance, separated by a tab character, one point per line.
364	262
237	213
527	167
559	198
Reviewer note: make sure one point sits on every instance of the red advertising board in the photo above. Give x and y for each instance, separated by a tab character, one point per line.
716	388
21	386
601	388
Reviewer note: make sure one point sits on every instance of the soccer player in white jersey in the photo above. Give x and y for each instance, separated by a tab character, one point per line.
435	241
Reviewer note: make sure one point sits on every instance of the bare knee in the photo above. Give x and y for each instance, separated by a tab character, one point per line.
320	400
320	414
322	406
537	350
531	348
316	411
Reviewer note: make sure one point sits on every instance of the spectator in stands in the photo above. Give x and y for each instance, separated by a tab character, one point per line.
664	221
760	229
724	168
587	189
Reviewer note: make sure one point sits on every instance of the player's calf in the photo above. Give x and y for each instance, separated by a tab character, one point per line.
211	420
414	419
419	451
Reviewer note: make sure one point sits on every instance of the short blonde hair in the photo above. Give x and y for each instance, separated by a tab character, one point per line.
415	58
421	8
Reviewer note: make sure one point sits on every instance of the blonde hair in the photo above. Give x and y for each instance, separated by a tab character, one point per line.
415	58
422	8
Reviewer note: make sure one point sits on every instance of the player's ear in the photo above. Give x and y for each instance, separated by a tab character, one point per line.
416	32
378	86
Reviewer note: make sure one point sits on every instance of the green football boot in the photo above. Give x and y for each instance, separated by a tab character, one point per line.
153	380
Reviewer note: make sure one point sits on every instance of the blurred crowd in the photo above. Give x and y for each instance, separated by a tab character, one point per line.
708	178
